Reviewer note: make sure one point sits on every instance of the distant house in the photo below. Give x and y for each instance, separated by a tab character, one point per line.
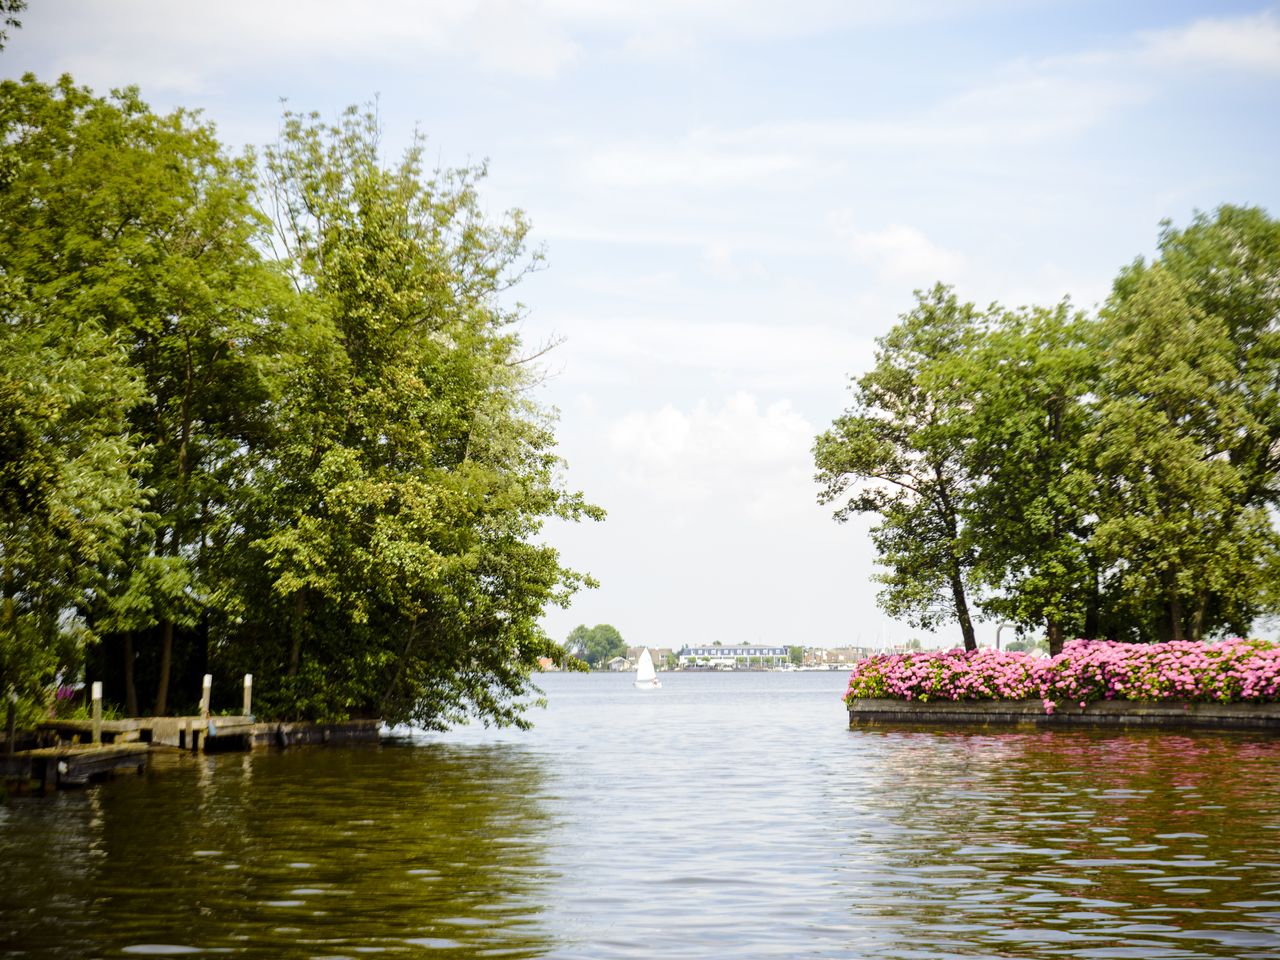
734	658
659	655
547	665
619	663
835	658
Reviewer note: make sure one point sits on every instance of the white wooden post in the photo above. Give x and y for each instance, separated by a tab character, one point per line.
97	711
204	695
248	694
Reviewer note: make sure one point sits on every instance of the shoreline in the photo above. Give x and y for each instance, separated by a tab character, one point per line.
67	753
1101	713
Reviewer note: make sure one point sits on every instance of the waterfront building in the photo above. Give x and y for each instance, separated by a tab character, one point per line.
743	657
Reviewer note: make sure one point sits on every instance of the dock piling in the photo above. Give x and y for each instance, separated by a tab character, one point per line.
248	694
11	724
206	689
97	711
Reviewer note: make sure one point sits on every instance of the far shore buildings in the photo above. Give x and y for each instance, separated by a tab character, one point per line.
744	657
740	657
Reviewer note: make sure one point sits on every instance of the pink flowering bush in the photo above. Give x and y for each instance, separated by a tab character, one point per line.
1086	670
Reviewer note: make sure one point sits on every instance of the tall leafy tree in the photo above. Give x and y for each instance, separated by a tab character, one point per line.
399	513
1031	508
1226	264
1186	551
596	645
1112	476
899	452
116	218
68	487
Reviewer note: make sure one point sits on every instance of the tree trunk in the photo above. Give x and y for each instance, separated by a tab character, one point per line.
1054	629
166	659
1197	622
130	691
1175	620
957	581
1092	611
962	611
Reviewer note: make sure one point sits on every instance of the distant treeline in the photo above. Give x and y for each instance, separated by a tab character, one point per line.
1108	474
264	414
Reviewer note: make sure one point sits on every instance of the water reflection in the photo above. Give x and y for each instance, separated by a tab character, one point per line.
1064	843
725	816
305	854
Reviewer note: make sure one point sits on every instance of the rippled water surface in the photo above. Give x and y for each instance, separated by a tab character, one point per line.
726	815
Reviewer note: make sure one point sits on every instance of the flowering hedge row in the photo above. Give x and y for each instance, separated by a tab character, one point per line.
1086	670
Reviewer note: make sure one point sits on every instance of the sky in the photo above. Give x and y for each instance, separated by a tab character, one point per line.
735	199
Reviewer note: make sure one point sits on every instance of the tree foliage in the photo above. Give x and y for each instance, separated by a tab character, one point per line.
9	10
899	452
1029	513
285	408
596	645
139	225
1095	476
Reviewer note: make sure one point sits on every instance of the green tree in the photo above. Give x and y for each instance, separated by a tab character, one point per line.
1033	490
796	655
1187	552
399	512
899	452
68	490
1224	266
1113	476
596	645
139	224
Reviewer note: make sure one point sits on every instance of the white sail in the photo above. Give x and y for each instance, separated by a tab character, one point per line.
646	676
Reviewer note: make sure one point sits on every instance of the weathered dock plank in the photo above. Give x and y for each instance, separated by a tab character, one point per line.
81	731
212	734
1109	713
63	766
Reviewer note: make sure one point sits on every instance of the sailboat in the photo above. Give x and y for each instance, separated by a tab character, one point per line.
646	676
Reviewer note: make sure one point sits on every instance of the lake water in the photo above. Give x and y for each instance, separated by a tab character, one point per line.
726	815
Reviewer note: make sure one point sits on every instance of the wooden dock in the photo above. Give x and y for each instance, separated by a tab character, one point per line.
67	766
185	733
209	734
67	756
74	752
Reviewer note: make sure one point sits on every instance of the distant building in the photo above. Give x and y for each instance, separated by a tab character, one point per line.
659	655
619	663
733	658
835	658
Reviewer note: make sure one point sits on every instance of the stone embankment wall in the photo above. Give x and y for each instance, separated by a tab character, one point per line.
1105	713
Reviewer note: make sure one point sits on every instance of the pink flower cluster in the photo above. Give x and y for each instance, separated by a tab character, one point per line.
1086	670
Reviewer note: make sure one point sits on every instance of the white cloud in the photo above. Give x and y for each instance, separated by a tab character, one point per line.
187	48
900	253
195	46
1249	43
786	356
733	456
